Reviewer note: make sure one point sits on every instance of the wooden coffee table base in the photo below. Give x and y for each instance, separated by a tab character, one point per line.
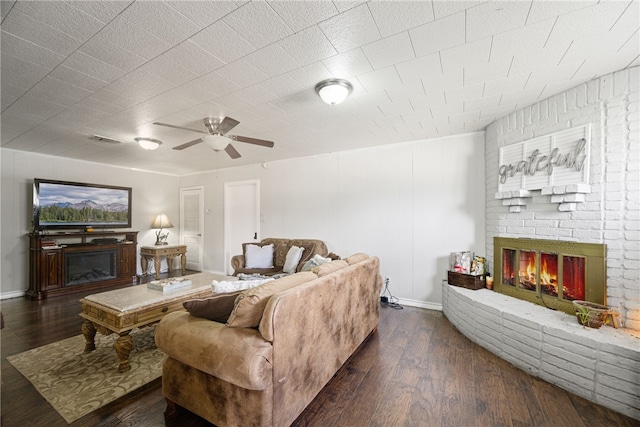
123	345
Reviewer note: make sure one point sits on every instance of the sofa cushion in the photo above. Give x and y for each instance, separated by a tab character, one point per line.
329	267
355	258
258	256
216	308
249	305
293	259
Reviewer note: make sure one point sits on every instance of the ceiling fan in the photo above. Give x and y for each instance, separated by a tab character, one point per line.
216	136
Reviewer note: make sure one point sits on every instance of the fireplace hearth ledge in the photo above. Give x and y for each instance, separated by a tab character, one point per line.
600	365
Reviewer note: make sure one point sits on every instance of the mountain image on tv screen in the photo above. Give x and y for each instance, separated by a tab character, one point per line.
70	204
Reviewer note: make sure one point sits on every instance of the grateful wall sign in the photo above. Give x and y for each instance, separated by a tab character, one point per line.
556	164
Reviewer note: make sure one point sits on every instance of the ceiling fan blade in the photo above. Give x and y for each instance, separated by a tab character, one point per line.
179	127
232	152
188	144
227	124
254	141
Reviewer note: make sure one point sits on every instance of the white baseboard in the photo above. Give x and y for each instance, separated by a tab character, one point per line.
420	304
12	294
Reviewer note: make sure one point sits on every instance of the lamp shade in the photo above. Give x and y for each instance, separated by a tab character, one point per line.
148	143
162	221
216	142
334	91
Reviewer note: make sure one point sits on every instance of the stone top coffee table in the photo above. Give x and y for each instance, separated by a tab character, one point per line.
122	310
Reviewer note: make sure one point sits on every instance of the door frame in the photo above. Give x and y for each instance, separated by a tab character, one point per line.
200	190
228	214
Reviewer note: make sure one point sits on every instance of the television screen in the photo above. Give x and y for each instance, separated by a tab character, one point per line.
75	205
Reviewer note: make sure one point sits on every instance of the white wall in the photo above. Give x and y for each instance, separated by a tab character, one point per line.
410	204
611	213
152	194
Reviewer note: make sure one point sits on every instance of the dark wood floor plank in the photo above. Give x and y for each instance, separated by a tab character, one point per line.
416	369
524	407
557	403
592	414
491	409
459	398
393	408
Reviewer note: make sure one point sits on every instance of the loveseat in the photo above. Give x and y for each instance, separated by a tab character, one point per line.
280	250
283	341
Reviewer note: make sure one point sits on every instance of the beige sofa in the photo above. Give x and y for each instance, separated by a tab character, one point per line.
267	375
280	248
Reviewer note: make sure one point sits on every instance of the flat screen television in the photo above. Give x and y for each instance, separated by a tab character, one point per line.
76	205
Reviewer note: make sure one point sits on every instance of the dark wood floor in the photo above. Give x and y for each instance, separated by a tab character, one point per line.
416	370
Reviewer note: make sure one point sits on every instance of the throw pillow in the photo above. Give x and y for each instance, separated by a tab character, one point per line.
292	259
258	256
314	262
216	308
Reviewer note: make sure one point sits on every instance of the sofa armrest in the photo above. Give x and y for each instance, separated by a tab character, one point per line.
237	262
240	356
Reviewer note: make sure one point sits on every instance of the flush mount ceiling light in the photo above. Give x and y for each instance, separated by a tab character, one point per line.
148	143
216	142
333	91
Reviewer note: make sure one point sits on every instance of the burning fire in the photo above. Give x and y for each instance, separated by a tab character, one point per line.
548	271
548	279
573	273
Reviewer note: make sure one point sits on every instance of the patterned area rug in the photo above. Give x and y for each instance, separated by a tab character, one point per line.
76	384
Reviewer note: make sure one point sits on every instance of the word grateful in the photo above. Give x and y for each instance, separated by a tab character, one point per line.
536	163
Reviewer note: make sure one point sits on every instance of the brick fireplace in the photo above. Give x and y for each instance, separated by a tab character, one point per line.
598	364
609	212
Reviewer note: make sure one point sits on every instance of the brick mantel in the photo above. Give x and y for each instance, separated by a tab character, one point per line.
609	212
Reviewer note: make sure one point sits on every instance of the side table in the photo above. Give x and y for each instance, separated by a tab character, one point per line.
157	252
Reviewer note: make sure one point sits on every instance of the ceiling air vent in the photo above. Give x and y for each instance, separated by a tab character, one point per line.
106	139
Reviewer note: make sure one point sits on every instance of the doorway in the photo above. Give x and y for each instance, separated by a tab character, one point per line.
241	217
192	225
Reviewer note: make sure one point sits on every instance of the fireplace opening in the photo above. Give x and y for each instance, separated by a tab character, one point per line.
549	272
90	266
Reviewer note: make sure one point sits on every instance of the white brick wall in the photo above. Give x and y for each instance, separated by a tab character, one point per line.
600	365
610	214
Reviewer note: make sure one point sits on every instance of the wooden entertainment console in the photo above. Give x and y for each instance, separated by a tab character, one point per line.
64	263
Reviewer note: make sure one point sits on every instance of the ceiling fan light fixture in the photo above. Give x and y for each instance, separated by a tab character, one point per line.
216	142
333	91
148	143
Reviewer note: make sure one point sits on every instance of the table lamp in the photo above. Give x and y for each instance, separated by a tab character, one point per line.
161	221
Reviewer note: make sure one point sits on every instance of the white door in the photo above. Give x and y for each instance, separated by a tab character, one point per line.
241	217
192	225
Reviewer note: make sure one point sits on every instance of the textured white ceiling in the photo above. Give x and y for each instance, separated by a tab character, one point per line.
420	69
